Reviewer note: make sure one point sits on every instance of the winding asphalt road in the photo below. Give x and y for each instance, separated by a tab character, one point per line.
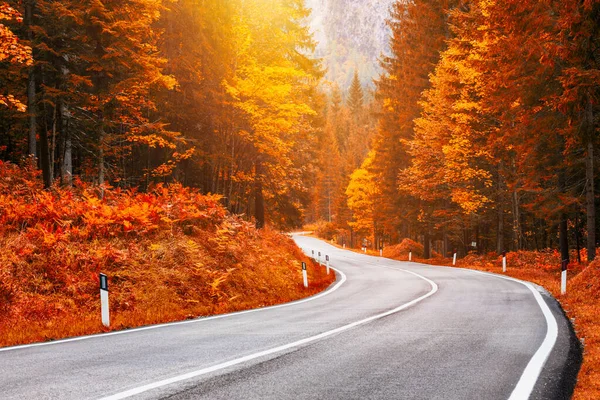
385	330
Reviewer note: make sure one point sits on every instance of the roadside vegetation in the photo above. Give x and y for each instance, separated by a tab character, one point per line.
170	254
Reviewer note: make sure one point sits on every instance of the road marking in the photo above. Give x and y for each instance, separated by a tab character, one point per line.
533	370
274	350
192	321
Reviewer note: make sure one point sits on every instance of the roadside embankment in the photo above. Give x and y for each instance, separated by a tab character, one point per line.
170	253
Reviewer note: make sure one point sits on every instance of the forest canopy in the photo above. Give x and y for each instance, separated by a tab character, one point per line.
480	135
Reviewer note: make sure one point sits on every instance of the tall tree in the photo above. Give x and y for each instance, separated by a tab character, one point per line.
356	97
273	87
419	33
578	54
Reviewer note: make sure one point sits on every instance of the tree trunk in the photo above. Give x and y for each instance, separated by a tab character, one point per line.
517	220
52	149
259	200
427	245
590	200
500	234
44	159
577	242
478	244
563	240
101	161
562	237
31	105
500	213
66	165
446	246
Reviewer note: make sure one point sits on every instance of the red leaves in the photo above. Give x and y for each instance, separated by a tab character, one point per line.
170	253
80	214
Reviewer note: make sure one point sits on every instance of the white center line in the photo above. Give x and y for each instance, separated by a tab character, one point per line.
274	350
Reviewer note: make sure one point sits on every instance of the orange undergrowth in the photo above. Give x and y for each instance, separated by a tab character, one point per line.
583	302
400	251
170	254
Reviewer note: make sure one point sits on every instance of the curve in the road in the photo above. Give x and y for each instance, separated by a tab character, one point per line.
531	374
328	291
275	350
470	337
534	368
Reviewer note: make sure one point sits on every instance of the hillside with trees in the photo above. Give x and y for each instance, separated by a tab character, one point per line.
486	129
350	35
190	92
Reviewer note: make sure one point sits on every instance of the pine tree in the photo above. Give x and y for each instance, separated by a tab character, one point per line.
578	53
419	33
356	98
273	88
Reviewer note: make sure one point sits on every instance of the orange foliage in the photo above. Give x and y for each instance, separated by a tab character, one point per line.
170	254
12	51
583	302
400	251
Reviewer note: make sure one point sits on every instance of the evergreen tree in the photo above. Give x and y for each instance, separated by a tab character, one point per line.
356	97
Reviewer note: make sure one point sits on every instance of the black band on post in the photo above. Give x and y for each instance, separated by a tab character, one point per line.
103	282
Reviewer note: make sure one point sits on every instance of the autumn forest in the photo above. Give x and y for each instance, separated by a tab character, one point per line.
193	132
481	129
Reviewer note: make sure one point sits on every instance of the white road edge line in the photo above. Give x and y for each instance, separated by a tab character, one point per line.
274	350
534	368
192	321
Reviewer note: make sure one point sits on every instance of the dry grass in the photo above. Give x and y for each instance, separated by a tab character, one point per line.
168	278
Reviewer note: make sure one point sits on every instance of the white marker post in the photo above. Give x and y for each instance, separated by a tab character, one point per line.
327	263
104	300
304	275
320	264
504	261
410	255
454	258
563	277
380	250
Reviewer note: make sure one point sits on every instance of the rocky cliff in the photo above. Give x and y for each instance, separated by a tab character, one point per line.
351	34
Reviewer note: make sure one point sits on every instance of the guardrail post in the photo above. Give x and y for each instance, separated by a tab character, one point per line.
104	300
304	275
563	277
454	258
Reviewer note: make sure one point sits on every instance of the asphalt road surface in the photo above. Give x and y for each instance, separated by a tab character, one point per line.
384	330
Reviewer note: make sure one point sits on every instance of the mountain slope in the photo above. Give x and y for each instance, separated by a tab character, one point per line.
351	34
